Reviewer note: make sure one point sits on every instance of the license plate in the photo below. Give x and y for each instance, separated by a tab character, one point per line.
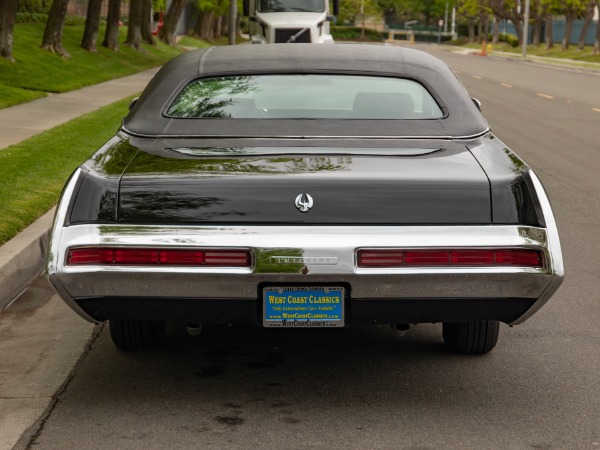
303	307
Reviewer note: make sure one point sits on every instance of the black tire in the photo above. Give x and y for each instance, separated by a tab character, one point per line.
472	338
136	335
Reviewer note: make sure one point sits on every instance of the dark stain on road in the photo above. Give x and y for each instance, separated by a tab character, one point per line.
227	420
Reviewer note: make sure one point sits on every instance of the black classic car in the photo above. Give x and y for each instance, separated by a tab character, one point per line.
305	186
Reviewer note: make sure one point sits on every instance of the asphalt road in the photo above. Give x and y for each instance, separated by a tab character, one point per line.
366	387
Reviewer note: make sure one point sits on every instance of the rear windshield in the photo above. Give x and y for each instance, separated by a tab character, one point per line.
305	97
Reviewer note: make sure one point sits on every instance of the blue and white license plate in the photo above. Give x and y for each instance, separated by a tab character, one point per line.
298	307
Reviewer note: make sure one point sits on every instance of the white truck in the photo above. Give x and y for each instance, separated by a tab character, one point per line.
291	21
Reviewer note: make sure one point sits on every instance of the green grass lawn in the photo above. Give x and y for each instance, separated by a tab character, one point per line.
36	71
191	41
10	96
33	173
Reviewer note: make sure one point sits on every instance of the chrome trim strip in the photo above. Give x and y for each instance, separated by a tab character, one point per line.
309	245
556	265
305	138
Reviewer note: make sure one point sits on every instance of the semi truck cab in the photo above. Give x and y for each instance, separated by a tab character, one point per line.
290	21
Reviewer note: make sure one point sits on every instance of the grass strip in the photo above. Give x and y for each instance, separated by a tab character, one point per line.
38	70
33	172
10	96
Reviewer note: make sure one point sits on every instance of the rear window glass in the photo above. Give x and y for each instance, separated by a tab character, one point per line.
305	97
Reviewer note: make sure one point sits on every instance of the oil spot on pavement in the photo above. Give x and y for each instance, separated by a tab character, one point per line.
227	420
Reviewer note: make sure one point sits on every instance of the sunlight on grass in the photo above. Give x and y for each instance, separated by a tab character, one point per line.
35	69
33	173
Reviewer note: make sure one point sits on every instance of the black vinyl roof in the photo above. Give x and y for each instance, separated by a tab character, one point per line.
462	119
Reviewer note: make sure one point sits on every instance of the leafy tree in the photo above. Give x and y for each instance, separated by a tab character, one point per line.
471	11
571	9
432	10
8	14
52	39
509	10
92	20
589	16
357	10
111	35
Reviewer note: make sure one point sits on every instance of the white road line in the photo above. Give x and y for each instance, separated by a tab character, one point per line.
506	85
477	77
549	97
596	109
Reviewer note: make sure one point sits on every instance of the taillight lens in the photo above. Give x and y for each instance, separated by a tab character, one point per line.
450	258
155	257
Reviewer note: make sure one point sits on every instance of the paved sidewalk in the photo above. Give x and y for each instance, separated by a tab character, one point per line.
41	340
21	259
20	122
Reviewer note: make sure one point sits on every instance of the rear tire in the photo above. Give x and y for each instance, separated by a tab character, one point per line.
472	338
136	335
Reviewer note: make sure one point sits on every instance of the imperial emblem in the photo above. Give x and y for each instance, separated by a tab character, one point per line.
304	202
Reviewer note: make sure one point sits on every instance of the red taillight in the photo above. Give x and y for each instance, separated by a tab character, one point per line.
90	256
151	257
134	256
182	257
528	258
381	258
224	258
449	258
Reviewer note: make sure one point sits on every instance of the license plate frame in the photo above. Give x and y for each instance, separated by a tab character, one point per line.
303	306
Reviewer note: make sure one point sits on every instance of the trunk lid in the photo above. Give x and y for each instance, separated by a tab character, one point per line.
347	186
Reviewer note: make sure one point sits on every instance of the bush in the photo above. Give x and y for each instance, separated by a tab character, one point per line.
32	17
28	17
510	39
353	34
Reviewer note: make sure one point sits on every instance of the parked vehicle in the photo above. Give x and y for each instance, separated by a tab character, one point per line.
290	21
305	186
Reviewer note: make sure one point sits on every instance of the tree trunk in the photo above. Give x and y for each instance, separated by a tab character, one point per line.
514	14
225	25
586	24
537	31
134	27
238	25
146	22
90	32
485	20
519	30
496	30
111	36
217	27
52	39
568	30
471	28
167	32
597	43
8	14
204	27
479	31
549	36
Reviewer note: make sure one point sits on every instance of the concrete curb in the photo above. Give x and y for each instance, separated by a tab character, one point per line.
22	258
